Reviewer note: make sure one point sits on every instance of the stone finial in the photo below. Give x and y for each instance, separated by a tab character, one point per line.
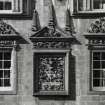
69	27
52	17
36	22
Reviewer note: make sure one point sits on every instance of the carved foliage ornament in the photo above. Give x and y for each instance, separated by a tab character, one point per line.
51	73
52	45
6	28
98	26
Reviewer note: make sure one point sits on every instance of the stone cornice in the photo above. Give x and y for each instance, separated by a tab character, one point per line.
95	40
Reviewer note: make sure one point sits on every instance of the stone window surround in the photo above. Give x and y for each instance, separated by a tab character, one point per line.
95	43
23	12
10	39
64	92
96	88
10	89
87	8
16	7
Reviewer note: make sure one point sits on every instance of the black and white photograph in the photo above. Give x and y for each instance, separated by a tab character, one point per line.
52	52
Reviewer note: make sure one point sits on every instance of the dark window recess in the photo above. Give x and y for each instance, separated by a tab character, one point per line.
87	6
1	73
80	5
1	55
97	73
1	82
7	74
7	56
5	5
1	5
103	56
96	64
0	64
25	12
28	8
98	69
5	64
96	82
6	82
96	56
8	6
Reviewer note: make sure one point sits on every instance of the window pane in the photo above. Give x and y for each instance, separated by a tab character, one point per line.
104	74
1	5
98	4
1	82
8	5
7	82
103	56
1	64
90	4
96	64
1	55
98	69
103	82
103	64
97	73
103	4
7	74
80	5
96	55
1	73
97	82
7	64
7	56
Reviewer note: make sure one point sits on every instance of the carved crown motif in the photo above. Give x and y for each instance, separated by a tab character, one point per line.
98	26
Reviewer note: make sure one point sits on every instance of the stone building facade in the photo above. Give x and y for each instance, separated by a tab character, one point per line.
57	53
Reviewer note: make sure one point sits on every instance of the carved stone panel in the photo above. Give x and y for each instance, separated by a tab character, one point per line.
6	28
98	26
51	44
51	72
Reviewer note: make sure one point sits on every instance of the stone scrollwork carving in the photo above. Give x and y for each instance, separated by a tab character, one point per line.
7	43
98	26
6	28
52	45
